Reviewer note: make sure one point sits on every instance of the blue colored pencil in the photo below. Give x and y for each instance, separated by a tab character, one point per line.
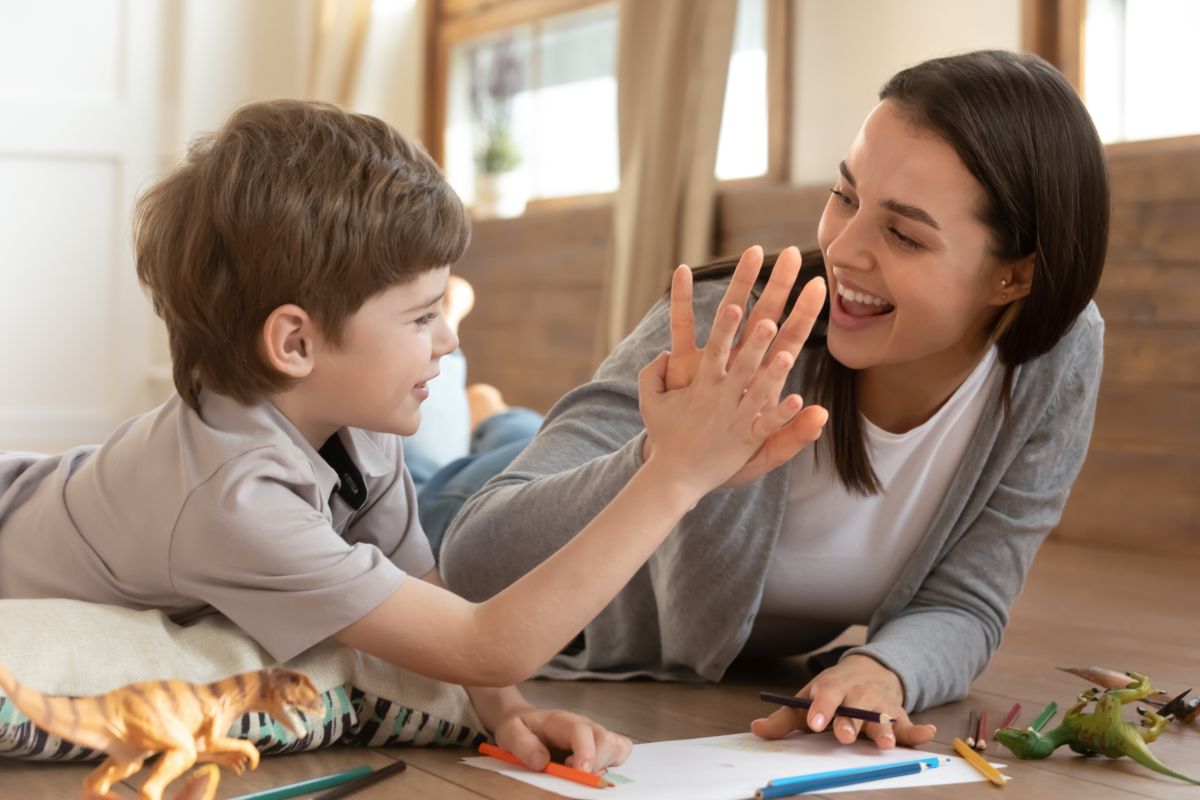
820	781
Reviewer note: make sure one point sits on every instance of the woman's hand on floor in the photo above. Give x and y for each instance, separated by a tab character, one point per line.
858	681
529	732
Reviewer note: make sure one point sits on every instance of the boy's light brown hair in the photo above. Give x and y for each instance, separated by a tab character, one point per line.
288	202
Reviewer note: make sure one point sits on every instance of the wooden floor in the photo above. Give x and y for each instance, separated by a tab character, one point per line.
1081	606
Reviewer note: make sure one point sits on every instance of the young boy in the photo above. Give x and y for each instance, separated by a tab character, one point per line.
298	259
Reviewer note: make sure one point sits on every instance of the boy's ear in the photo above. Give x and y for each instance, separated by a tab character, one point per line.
288	340
1013	281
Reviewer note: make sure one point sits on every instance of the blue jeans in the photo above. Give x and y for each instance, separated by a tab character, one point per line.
494	444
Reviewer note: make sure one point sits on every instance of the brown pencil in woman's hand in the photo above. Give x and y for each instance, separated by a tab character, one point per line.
840	711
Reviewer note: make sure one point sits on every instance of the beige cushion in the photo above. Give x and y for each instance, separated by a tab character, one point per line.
68	647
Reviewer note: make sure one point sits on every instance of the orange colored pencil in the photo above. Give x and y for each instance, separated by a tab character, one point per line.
557	770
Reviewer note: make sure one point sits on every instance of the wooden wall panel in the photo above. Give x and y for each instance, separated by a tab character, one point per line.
539	281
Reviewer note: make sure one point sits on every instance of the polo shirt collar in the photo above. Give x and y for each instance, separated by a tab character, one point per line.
264	418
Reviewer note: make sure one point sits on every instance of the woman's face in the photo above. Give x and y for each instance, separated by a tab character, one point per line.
911	277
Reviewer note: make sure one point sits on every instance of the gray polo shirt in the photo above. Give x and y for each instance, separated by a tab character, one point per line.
227	509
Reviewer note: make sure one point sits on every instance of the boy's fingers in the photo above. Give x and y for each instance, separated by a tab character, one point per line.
683	318
720	343
762	393
525	745
751	351
583	746
771	303
652	380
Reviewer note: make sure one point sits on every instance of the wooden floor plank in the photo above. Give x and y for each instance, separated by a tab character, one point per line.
1083	605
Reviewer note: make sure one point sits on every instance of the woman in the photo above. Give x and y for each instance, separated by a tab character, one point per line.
962	242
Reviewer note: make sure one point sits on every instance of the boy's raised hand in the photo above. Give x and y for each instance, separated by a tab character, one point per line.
760	360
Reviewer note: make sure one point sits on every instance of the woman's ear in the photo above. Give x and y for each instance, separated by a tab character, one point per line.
289	340
1012	281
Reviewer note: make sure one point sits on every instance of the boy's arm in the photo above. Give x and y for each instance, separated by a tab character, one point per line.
521	728
704	433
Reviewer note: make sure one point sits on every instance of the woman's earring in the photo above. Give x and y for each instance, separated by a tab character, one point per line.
1003	295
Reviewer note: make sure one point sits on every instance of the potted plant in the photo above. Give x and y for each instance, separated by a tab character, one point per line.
497	76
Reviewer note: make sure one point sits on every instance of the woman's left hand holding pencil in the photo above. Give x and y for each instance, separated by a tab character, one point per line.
858	681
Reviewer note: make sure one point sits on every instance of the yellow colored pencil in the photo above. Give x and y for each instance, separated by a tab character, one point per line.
978	762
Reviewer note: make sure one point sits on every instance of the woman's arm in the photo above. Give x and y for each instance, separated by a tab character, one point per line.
948	632
929	653
593	439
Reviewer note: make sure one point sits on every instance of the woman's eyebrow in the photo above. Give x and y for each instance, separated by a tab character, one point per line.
903	209
912	212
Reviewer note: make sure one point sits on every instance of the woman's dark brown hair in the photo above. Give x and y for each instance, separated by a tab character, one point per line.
288	202
1023	132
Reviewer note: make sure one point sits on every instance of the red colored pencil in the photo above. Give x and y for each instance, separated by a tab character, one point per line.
557	770
981	737
1011	716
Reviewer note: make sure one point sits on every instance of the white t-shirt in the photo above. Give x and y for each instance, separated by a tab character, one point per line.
839	553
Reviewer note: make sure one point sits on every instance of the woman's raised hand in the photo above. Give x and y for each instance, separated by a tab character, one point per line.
683	365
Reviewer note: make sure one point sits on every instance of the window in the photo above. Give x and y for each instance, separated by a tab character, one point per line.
538	101
1139	68
742	146
524	98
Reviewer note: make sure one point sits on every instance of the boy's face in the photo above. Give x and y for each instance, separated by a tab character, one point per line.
376	379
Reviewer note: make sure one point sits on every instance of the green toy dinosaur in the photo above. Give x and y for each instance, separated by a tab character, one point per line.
1101	732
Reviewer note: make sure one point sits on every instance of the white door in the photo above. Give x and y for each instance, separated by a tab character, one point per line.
81	121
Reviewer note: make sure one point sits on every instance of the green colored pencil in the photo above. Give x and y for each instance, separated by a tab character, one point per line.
1047	714
308	786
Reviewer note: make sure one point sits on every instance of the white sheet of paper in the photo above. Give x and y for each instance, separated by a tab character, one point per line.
734	767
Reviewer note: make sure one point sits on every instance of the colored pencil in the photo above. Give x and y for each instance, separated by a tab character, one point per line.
840	711
557	770
307	787
1011	716
972	728
977	761
820	781
981	737
347	789
1047	714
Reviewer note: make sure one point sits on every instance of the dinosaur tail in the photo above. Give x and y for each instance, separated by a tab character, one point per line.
64	717
1140	753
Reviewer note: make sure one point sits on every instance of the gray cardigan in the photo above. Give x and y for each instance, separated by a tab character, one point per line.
687	613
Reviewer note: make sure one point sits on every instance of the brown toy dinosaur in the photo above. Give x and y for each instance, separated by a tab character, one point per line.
184	722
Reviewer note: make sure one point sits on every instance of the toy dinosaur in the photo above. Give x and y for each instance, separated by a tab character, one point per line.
1178	707
1102	732
184	722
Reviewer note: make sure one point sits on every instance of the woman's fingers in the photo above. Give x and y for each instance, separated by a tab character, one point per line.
771	302
744	277
910	735
799	324
779	724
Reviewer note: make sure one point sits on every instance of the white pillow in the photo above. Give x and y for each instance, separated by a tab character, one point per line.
68	647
